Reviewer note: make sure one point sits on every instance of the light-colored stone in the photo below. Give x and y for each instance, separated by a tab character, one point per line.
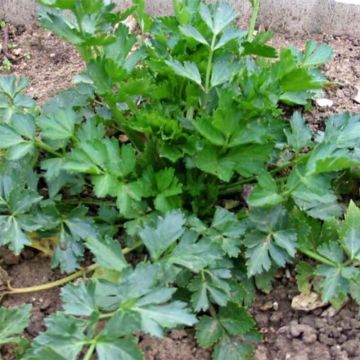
292	16
323	102
307	302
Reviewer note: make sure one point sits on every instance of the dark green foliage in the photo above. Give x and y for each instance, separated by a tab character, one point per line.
160	137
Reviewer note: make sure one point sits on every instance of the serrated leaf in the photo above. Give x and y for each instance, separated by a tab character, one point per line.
229	35
222	72
265	192
193	33
9	137
123	323
226	231
333	284
236	320
208	331
167	231
315	55
313	194
222	16
208	131
264	248
194	256
12	235
209	160
155	317
300	134
118	349
187	70
211	286
64	335
233	349
13	321
79	300
107	252
58	126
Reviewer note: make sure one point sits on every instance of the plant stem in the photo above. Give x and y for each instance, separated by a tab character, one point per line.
38	246
318	257
52	284
209	64
87	201
64	280
41	145
90	352
255	13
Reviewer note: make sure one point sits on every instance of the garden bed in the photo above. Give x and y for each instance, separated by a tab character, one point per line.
287	334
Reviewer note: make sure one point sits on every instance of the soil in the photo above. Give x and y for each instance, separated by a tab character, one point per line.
288	334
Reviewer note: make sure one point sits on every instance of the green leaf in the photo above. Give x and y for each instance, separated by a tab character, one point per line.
265	192
155	317
167	231
250	160
233	349
59	125
300	134
123	323
228	35
64	335
208	131
299	80
118	349
279	246
350	230
256	48
79	300
13	321
211	286
236	320
193	33
12	235
194	256
187	70
315	55
209	160
9	137
313	194
44	353
222	16
226	231
334	283
208	331
107	252
352	243
60	25
223	71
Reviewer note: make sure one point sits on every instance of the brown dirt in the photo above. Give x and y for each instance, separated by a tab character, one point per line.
287	334
49	62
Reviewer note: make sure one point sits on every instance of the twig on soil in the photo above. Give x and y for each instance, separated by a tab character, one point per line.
5	47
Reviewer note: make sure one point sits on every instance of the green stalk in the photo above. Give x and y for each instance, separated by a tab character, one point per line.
41	145
254	16
210	64
63	281
313	255
90	352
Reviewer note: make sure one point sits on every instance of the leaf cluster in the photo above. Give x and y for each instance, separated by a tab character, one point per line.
173	144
